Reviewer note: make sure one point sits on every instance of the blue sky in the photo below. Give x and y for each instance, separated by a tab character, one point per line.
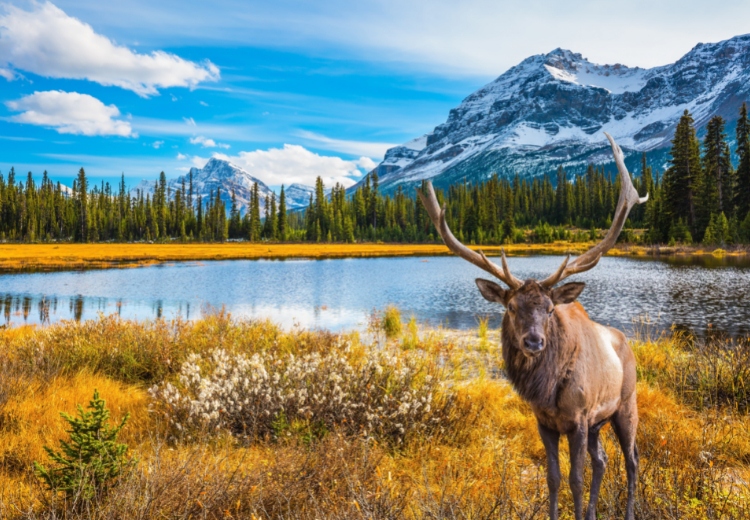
288	90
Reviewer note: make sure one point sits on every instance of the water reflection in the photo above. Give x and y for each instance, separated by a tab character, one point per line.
341	294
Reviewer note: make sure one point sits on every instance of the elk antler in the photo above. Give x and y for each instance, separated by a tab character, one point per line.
628	198
437	214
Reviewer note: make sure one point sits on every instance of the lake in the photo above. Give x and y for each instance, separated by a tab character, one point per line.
342	293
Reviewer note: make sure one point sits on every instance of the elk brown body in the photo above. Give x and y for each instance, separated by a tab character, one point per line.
576	374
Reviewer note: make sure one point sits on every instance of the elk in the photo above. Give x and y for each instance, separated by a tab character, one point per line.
576	374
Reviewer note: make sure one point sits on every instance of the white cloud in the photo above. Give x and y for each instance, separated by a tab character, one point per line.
366	148
444	37
48	42
7	74
158	144
204	103
296	164
207	143
173	97
195	160
70	113
189	121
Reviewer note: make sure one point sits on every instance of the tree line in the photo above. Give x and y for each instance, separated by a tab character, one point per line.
700	197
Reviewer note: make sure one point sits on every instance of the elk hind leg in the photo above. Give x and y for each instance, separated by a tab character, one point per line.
598	465
551	441
625	423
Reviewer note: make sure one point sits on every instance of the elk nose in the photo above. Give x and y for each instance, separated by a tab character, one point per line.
533	343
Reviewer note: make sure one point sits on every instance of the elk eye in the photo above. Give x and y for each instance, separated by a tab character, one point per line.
511	308
551	310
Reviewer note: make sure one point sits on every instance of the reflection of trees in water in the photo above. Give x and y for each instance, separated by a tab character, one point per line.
708	302
26	307
708	261
76	307
157	308
7	304
44	305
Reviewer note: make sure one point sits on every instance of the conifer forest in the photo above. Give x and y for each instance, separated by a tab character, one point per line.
701	197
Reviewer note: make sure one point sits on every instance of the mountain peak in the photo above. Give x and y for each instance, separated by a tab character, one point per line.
551	110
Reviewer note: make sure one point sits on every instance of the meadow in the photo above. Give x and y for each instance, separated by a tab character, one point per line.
240	419
64	256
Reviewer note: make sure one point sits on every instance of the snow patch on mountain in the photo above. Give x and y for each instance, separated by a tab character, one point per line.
297	196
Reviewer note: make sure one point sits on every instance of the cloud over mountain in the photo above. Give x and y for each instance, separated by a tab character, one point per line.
296	164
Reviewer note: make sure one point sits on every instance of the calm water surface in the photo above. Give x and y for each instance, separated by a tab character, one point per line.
341	294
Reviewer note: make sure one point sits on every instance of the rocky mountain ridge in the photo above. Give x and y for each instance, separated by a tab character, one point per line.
218	173
551	110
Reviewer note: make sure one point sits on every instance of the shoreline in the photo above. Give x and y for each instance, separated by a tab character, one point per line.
72	256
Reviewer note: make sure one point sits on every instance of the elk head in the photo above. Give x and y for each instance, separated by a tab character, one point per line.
531	304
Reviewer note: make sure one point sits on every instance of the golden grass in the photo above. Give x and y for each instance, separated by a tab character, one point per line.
15	257
90	256
31	257
695	458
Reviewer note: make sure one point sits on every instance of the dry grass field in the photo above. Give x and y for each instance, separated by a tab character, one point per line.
397	423
42	257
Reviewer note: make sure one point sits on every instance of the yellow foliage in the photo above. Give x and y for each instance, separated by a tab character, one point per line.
695	461
92	256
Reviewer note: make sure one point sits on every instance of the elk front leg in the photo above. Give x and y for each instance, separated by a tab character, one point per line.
551	441
598	464
577	446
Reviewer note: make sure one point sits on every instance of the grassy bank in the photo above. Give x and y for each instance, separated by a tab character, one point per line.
402	423
62	256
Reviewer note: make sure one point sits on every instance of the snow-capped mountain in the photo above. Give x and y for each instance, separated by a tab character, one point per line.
298	196
216	174
552	110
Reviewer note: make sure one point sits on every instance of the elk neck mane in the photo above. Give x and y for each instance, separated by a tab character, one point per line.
539	379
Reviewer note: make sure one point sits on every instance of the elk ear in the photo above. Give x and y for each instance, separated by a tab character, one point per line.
567	293
491	291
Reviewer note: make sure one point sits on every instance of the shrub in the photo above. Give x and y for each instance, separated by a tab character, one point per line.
92	459
391	322
411	338
482	332
371	393
543	233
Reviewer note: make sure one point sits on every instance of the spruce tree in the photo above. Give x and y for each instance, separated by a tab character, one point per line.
83	186
742	195
234	217
255	215
282	215
273	223
682	179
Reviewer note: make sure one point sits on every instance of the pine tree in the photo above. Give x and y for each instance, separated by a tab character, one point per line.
718	176
255	215
282	215
683	178
234	217
83	186
92	459
161	204
273	229
742	195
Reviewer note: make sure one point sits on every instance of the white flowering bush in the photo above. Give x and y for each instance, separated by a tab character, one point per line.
376	392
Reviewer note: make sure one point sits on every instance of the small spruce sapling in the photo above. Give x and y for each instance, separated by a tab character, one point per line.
92	459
